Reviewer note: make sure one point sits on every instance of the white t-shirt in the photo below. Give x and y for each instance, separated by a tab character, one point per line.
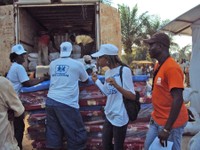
114	110
17	75
65	74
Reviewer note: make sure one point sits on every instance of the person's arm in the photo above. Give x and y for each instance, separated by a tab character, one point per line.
35	81
177	94
12	100
85	82
26	81
127	94
99	84
127	88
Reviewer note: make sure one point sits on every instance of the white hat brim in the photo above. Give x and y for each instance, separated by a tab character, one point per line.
97	54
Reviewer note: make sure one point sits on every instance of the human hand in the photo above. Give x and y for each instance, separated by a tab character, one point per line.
163	136
46	76
94	76
10	115
111	81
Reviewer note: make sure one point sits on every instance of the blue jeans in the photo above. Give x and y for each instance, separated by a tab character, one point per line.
63	120
175	135
118	133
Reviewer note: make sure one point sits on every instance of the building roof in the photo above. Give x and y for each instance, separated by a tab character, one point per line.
182	24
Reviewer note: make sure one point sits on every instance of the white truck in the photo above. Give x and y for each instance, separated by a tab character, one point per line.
21	22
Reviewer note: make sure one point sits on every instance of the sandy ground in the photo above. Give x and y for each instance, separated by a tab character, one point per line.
26	141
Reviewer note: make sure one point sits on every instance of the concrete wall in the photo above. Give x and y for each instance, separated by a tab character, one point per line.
110	26
6	36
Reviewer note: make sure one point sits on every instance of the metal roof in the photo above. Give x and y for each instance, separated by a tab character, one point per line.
182	24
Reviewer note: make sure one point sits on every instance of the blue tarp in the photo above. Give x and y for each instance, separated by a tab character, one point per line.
45	84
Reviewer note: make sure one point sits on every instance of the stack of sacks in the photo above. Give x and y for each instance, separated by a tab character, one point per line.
53	56
92	102
33	59
41	70
33	100
194	143
192	127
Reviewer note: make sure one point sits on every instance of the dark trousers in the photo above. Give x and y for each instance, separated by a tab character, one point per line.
19	129
63	120
118	133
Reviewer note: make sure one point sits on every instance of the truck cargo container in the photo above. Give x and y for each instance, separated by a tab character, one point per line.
22	21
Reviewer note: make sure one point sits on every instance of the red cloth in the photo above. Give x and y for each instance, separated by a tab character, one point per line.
44	39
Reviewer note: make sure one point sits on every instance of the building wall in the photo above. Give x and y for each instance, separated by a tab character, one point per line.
6	36
110	26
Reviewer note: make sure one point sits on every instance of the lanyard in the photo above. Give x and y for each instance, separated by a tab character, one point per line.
156	72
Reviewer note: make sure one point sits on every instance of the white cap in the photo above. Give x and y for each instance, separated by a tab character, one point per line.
65	49
87	57
18	49
106	49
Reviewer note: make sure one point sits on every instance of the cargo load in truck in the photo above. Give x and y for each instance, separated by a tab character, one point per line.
26	20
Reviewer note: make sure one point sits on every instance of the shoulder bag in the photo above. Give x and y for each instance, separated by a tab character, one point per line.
132	106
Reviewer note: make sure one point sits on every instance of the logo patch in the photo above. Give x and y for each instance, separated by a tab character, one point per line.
61	70
19	47
64	48
159	80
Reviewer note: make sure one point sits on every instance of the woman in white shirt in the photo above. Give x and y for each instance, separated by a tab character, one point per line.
116	120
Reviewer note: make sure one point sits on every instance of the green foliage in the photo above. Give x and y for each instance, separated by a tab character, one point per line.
135	28
131	26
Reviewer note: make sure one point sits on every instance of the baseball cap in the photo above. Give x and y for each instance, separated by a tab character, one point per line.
106	49
87	57
18	49
160	38
65	49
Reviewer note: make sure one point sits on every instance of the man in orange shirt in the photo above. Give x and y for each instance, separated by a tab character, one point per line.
169	116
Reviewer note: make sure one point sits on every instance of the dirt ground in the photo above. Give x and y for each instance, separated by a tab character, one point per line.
26	141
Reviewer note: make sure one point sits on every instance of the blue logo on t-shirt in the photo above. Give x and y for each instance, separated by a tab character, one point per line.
61	70
111	88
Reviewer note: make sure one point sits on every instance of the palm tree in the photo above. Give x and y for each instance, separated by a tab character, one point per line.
135	28
132	26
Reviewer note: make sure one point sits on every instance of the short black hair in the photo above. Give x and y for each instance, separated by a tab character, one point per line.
13	57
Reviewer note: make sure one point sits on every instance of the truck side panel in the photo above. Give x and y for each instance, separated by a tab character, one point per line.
6	36
28	29
110	26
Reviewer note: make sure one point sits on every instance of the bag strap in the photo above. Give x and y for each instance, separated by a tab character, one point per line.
156	72
120	74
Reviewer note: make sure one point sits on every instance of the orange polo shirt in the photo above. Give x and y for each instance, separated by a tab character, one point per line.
169	76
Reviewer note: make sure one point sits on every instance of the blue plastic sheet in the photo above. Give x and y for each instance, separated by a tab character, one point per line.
45	84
